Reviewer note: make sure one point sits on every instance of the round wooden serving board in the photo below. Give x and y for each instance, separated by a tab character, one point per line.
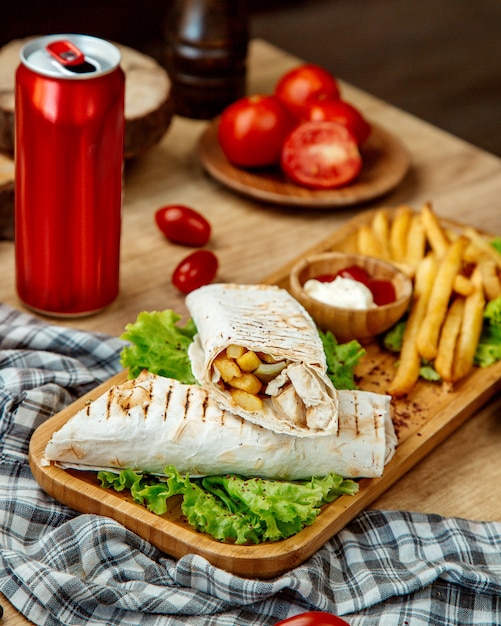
385	163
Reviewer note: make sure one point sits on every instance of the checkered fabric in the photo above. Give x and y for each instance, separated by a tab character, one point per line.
58	567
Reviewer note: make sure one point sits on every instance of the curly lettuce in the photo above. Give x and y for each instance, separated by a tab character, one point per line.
231	507
160	345
488	349
342	359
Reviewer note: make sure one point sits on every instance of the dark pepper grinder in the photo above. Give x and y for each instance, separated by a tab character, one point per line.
206	54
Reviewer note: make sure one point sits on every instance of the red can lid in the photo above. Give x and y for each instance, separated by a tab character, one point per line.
65	52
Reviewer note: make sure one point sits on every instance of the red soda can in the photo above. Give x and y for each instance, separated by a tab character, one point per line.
69	115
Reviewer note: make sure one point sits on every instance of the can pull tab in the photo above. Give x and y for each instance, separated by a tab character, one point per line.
69	56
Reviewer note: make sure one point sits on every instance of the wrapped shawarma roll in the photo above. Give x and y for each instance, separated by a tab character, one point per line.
287	389
151	422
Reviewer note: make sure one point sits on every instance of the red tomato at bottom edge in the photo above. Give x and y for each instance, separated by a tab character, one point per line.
313	618
321	155
197	269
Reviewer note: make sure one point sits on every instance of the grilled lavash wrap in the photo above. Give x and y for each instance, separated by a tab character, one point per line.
267	321
151	422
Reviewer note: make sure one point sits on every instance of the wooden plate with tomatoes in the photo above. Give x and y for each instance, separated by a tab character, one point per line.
385	163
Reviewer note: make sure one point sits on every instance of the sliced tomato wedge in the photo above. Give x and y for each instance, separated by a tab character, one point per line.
321	155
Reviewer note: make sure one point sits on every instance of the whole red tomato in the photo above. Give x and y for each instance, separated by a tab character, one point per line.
252	130
321	155
313	618
342	112
183	225
304	85
197	269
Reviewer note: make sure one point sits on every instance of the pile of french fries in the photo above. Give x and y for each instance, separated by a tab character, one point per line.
455	273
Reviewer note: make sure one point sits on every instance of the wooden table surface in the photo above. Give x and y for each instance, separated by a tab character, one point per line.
253	240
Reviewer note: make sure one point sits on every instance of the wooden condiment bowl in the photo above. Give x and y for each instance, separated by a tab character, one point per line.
347	324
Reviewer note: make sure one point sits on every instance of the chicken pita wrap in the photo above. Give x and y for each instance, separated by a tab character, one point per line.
259	355
151	422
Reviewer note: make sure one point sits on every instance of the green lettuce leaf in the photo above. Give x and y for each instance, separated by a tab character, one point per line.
428	372
342	360
230	507
496	244
488	349
393	338
159	345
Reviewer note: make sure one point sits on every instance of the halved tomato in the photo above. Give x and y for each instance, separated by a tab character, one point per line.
321	155
342	112
305	84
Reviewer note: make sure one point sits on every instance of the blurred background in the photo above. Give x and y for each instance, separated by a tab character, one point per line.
437	59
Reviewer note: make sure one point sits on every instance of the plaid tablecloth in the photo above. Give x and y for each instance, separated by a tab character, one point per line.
62	568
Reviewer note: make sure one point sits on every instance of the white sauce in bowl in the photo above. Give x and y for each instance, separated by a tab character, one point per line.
341	292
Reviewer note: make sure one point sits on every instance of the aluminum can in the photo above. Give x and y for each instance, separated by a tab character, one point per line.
69	117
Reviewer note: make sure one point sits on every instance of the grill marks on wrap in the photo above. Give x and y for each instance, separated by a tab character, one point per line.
145	437
355	421
246	315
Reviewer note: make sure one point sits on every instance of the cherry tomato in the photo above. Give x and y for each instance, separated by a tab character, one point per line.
321	155
183	225
252	130
356	272
342	112
313	618
383	291
304	85
197	269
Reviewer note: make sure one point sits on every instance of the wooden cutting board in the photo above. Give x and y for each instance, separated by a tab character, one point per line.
422	420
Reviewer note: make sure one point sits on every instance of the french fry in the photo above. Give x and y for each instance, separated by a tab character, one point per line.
381	228
490	278
227	367
248	361
369	244
435	234
473	253
398	233
410	360
233	351
248	401
444	361
462	285
416	241
471	329
246	382
483	244
427	341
